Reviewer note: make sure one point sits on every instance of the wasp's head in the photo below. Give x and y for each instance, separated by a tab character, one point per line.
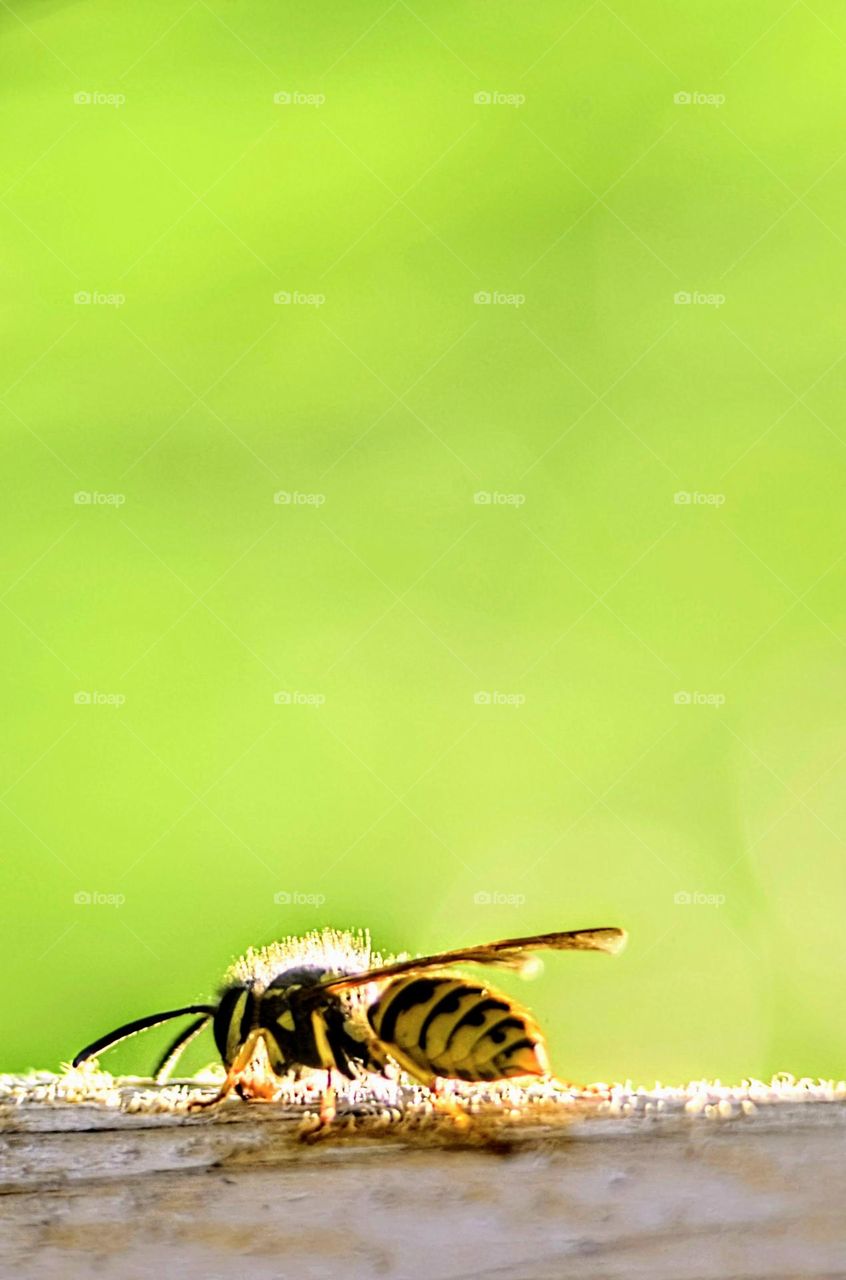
234	1019
274	1018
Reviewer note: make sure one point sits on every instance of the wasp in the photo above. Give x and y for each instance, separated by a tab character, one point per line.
326	1001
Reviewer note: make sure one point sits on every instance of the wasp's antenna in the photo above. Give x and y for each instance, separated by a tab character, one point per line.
177	1047
132	1028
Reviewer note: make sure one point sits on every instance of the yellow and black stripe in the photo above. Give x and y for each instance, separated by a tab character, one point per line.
445	1025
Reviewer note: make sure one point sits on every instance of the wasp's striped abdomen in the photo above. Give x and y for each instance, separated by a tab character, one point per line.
444	1025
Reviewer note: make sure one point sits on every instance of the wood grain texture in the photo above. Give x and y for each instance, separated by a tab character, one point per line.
682	1187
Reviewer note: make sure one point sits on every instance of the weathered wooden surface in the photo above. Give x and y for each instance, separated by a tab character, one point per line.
709	1184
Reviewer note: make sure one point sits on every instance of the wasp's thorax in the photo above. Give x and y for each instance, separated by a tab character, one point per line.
292	1033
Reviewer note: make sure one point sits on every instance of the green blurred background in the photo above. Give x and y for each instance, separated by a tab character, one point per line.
386	702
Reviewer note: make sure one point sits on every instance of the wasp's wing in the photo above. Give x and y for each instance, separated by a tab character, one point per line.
510	953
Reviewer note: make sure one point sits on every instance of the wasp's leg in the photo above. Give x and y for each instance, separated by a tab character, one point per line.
257	1090
442	1101
328	1108
313	1128
242	1060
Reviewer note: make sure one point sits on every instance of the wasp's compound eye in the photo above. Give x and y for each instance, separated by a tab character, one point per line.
233	1021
